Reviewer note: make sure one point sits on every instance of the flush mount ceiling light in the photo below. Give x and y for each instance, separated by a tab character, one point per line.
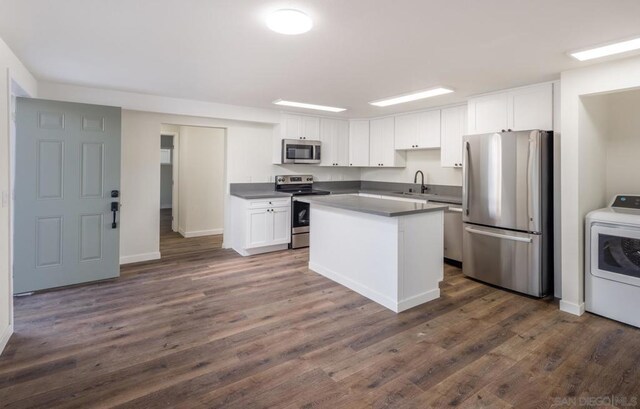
607	50
411	97
307	106
289	21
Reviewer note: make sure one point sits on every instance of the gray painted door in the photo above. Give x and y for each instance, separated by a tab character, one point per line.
67	165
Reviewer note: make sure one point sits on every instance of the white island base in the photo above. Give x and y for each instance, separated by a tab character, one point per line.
394	261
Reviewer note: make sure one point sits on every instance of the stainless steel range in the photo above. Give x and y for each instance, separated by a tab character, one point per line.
298	185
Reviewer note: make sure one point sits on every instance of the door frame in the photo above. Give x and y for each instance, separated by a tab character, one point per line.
176	173
175	168
15	91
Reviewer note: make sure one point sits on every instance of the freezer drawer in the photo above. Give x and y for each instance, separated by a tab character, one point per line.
504	258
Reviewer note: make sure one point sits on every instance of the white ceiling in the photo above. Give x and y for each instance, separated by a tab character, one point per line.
358	50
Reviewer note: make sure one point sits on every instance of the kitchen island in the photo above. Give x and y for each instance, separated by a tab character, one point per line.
388	251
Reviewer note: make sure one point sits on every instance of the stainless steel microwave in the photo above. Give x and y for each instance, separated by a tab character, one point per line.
300	151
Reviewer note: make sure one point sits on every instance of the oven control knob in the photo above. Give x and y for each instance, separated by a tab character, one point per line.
309	179
280	179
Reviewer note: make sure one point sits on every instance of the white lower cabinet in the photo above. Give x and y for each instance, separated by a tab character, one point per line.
261	225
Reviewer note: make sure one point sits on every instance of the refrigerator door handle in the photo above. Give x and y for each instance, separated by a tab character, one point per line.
498	235
532	182
465	168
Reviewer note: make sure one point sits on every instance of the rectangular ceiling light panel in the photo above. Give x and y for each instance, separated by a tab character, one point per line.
411	97
607	50
307	106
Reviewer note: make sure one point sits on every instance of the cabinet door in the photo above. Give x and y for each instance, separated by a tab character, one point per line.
259	230
488	113
328	132
280	219
310	127
531	108
406	131
428	130
291	126
341	144
382	151
382	144
359	143
453	126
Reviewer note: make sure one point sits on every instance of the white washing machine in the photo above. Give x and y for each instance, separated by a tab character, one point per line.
612	260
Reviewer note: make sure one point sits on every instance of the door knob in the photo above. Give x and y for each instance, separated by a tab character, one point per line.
114	209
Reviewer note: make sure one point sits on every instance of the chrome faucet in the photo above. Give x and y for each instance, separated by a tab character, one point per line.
423	187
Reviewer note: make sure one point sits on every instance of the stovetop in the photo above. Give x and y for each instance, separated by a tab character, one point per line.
304	192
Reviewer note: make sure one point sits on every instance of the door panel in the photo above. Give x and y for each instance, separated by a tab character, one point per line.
48	241
91	230
501	180
50	165
259	228
67	163
488	113
91	185
359	143
281	220
504	258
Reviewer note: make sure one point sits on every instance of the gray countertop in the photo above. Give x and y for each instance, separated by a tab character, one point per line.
260	194
380	207
265	194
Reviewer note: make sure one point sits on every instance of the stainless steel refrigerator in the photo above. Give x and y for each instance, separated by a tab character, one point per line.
507	200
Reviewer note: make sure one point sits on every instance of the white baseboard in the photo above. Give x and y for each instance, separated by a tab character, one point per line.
4	338
136	258
419	299
200	233
260	250
572	308
399	306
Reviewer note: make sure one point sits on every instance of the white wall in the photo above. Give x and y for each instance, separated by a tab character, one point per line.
11	69
249	151
623	143
579	192
202	177
427	161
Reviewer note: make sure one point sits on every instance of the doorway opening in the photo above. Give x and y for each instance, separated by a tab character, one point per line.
192	191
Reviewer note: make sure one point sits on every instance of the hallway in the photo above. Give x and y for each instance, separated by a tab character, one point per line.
173	244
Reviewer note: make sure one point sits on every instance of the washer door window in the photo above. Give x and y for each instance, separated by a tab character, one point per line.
615	253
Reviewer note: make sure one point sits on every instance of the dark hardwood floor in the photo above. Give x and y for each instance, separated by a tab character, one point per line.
174	244
210	329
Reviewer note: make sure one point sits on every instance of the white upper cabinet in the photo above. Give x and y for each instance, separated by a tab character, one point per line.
488	113
418	131
531	108
359	143
300	127
382	152
518	109
454	126
334	134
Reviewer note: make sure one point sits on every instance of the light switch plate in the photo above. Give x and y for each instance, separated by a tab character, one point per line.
5	198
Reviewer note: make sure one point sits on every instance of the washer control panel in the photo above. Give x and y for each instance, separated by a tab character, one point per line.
627	202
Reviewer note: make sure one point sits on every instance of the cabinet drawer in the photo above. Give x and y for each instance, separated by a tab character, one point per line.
274	202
